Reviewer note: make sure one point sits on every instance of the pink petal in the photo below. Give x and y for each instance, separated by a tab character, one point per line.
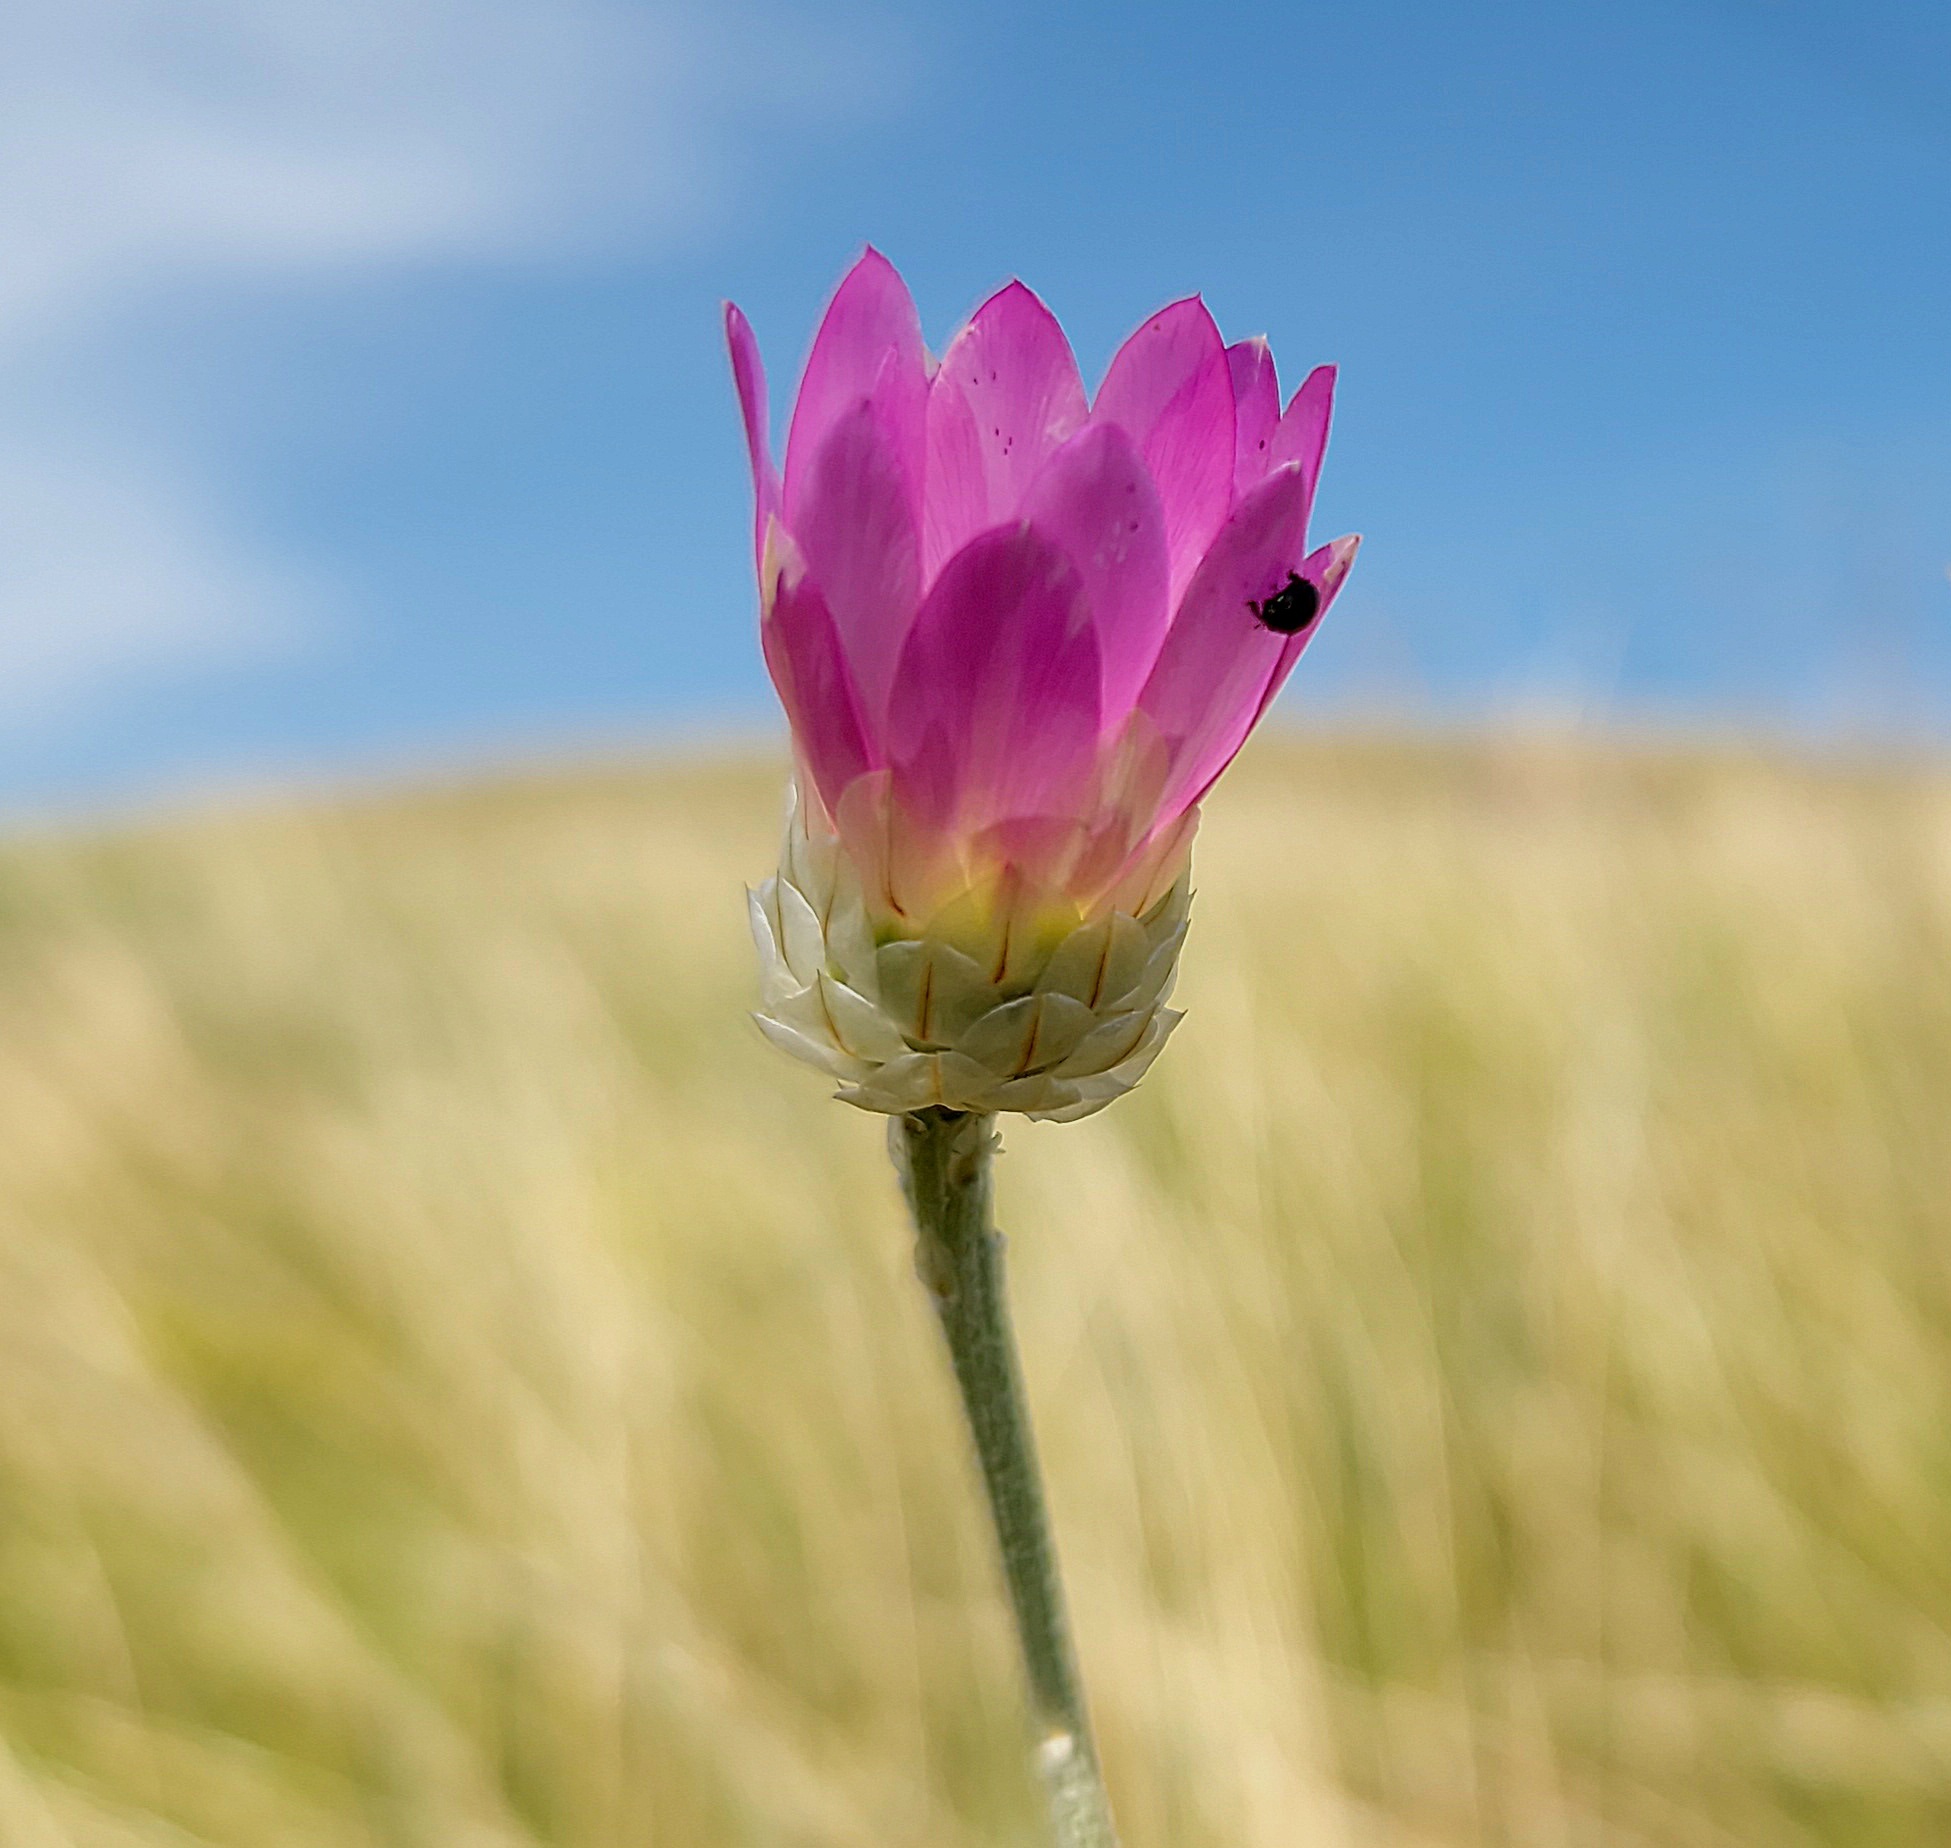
1171	388
1094	499
1212	674
955	485
816	687
1006	394
1326	569
855	529
1256	411
868	346
1303	433
994	714
748	373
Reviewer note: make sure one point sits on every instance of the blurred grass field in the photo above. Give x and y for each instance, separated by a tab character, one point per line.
460	1389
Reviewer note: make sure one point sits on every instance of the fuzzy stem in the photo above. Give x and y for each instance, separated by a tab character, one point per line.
943	1156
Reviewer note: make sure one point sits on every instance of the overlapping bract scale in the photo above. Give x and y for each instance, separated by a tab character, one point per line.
914	1023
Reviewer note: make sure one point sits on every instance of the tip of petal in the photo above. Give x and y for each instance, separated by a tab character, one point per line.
1341	560
871	277
1184	306
868	344
1094	441
1170	339
874	268
747	368
1318	383
743	343
1327	568
1015	297
748	376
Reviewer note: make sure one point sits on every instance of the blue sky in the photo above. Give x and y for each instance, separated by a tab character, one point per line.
362	406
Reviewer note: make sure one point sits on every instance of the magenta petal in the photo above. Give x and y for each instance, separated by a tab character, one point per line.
868	346
1256	411
994	714
855	528
1095	499
1303	433
1327	570
816	687
955	489
1147	372
1171	389
1211	677
748	373
1006	394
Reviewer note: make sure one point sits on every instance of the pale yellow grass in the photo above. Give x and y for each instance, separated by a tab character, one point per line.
460	1389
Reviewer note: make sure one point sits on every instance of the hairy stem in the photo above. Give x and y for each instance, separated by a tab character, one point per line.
944	1161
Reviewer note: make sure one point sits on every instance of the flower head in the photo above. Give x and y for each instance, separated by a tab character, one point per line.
1017	633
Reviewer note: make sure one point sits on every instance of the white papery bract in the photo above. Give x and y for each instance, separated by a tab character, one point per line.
914	1023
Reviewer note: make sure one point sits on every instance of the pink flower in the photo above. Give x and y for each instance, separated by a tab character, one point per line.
1019	632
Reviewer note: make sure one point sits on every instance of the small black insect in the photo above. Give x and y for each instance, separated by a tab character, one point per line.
1290	609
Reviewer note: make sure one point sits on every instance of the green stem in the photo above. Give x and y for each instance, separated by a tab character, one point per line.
944	1157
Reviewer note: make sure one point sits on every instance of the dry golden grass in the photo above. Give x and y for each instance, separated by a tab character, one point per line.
459	1389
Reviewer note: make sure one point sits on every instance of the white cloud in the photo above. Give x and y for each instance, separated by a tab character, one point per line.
146	144
112	569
